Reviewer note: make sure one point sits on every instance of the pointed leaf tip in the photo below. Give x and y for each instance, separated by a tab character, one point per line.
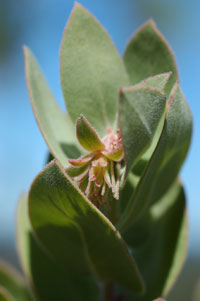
88	62
151	21
148	53
167	158
87	136
76	3
158	81
140	108
77	6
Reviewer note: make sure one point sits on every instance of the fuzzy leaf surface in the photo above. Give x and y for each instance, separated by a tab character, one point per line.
49	281
140	110
158	81
57	207
91	70
166	160
87	136
164	249
148	54
12	284
56	126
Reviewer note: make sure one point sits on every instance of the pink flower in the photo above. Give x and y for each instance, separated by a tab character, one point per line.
99	170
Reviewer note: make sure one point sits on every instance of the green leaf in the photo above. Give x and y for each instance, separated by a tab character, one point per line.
148	54
140	110
157	81
91	70
127	190
5	295
56	126
73	171
164	249
116	155
197	291
87	136
12	284
140	165
71	227
167	159
48	280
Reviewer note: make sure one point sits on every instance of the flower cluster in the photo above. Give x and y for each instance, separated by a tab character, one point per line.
99	170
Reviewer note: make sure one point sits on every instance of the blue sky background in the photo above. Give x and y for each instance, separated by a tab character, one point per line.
39	24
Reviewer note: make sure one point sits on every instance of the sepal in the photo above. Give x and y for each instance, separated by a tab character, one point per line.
87	136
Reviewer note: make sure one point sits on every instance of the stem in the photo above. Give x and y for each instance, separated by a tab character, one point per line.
108	291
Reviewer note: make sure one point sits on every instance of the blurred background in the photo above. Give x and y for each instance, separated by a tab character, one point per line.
39	24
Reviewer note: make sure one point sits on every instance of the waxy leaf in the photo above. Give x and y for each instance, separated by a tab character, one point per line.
87	136
166	160
147	54
56	126
12	285
140	110
161	255
91	70
48	280
60	213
